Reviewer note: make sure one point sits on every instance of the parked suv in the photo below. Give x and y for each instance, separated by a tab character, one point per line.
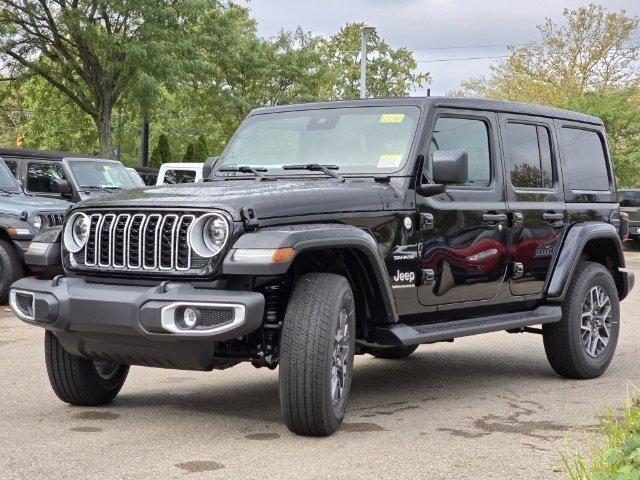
630	204
72	178
21	217
333	229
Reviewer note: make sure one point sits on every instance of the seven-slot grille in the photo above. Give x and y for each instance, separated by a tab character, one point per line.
54	219
139	241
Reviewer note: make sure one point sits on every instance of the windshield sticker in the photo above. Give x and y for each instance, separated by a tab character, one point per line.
391	118
390	160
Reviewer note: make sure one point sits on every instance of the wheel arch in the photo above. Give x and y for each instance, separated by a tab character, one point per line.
343	249
596	242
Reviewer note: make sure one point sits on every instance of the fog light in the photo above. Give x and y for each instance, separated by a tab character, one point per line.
190	317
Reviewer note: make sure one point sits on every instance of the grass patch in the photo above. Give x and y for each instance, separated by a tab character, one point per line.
619	457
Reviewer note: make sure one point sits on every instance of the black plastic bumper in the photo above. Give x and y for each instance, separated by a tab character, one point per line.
123	322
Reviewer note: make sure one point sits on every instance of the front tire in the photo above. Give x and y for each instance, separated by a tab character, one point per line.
316	354
582	344
79	381
10	269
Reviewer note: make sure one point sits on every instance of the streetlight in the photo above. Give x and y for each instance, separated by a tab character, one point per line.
363	59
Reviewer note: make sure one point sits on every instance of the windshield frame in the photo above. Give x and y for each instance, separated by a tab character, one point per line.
115	164
402	171
13	187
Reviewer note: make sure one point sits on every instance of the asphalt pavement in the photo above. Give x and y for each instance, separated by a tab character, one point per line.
482	407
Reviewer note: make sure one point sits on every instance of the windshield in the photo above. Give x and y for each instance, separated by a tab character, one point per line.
7	180
370	140
100	174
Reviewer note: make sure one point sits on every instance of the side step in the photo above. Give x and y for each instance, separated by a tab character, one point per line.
401	334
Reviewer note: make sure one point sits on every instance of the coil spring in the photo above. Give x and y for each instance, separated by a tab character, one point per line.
272	302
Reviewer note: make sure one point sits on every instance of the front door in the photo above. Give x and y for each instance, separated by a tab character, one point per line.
463	232
535	200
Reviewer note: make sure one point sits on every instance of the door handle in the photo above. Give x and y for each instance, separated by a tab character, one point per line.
494	217
552	216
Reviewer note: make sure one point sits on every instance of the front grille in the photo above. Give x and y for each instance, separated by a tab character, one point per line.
215	317
54	219
144	242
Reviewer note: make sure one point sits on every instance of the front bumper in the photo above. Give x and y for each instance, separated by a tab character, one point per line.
128	323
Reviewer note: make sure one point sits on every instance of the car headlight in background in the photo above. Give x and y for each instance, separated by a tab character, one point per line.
209	235
37	222
76	232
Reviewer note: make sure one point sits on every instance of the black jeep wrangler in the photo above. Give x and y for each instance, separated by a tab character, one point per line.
333	229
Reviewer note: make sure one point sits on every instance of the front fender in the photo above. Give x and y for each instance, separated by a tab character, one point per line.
572	248
303	238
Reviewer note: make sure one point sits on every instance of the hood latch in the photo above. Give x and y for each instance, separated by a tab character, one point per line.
249	218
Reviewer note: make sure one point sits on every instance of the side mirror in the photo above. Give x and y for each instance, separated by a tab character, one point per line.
61	186
209	163
450	166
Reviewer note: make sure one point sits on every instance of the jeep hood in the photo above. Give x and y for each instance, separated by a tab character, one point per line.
15	204
269	199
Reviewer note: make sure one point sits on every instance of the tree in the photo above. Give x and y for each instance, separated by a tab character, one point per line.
390	73
200	149
161	153
586	65
190	153
96	52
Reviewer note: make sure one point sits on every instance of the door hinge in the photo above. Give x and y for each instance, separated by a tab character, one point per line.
428	276
518	270
516	219
426	221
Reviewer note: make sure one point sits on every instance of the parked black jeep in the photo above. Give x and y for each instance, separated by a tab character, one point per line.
332	229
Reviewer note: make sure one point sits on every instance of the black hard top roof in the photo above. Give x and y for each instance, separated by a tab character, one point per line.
41	154
450	102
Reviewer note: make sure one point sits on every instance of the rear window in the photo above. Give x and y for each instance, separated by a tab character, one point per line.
179	176
584	159
629	198
529	152
13	166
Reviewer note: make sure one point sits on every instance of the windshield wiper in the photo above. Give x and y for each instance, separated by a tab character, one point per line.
100	187
7	191
316	167
257	172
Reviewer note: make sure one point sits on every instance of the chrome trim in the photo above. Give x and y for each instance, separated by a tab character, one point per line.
125	240
155	242
14	305
173	242
142	221
95	248
190	250
99	233
167	317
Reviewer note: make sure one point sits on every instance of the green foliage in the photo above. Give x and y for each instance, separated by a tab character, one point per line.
584	65
161	152
190	153
200	150
619	457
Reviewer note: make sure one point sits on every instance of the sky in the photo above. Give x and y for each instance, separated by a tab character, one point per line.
429	27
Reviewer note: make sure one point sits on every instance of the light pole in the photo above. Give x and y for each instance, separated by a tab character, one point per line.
363	60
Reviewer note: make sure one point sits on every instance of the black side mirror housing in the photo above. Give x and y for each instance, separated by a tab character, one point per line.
450	166
61	186
209	163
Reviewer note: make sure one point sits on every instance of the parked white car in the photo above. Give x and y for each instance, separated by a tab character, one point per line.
171	173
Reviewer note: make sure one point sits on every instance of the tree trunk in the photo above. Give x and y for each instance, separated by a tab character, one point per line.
103	124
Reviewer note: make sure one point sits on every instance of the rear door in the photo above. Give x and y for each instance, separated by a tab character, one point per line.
463	232
535	199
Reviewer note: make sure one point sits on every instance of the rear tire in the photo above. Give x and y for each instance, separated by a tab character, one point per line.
79	381
395	353
575	346
316	354
10	269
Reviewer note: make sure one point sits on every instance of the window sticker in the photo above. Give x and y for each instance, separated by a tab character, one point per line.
390	160
391	118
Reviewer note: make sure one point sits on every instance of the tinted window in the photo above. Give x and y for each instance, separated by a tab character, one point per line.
179	176
100	174
584	159
629	198
40	176
467	134
13	166
529	153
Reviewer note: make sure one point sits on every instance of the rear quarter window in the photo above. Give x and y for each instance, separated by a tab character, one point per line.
585	162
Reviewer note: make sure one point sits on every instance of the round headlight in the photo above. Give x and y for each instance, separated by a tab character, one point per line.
209	235
37	222
76	232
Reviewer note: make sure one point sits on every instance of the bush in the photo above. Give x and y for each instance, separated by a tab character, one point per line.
189	154
619	459
161	152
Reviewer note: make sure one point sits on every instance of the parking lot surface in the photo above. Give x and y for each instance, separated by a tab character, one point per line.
483	407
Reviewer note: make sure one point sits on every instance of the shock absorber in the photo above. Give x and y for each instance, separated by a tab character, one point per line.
268	348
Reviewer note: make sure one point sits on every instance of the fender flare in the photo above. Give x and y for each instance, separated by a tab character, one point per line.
574	243
305	237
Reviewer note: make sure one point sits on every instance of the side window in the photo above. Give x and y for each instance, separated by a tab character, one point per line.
529	154
472	135
179	176
584	158
13	166
40	176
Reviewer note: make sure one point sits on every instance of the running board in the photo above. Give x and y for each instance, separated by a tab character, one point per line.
401	334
